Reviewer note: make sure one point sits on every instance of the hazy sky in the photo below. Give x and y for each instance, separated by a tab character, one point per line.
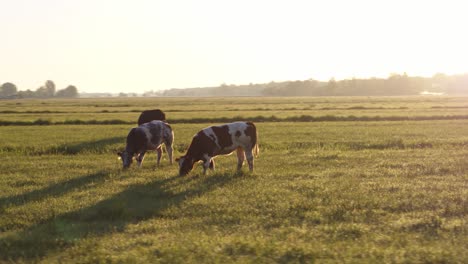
142	45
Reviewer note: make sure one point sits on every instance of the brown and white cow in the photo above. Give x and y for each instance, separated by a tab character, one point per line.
148	136
221	140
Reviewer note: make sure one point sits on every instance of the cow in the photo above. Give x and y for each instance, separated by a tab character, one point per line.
221	140
150	115
148	136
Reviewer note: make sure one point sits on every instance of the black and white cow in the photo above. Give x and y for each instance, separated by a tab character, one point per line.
221	140
148	136
150	115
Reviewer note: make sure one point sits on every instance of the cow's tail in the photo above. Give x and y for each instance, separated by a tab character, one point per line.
256	149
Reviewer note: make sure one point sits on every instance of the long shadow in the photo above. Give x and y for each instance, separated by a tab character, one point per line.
137	203
97	146
55	189
90	146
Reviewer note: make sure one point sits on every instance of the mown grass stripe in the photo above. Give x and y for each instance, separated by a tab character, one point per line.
358	107
302	118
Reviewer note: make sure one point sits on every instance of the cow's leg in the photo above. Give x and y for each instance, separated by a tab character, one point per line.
140	158
212	165
159	152
207	161
169	152
240	158
168	141
250	159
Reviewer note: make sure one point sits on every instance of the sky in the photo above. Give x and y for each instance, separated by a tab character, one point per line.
150	45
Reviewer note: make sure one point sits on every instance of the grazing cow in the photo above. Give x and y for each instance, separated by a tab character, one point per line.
150	115
148	136
221	140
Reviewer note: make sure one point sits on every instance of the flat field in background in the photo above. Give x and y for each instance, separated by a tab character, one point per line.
184	109
360	192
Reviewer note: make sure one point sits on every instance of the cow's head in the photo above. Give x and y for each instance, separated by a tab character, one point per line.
185	165
126	158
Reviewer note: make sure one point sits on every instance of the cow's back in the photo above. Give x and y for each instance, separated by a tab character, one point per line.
158	132
231	136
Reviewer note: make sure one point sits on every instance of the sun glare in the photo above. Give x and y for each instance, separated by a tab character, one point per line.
166	44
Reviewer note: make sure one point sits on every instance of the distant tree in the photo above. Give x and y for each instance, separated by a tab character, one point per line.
26	94
69	92
8	89
400	85
50	87
41	92
46	91
123	95
332	86
151	93
440	77
458	84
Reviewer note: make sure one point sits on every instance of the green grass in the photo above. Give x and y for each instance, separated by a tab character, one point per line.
353	192
201	110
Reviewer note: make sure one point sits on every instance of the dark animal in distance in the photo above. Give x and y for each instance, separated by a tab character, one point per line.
148	136
221	140
150	115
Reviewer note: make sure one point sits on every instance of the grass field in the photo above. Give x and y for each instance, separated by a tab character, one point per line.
325	192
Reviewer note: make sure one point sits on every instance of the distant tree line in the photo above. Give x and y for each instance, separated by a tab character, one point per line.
48	90
394	85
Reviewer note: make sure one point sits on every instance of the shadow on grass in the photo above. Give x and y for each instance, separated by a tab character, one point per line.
54	190
137	203
97	146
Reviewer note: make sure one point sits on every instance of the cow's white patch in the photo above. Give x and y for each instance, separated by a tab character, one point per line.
242	140
240	127
210	133
157	136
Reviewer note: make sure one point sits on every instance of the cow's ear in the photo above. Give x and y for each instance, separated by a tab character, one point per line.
177	159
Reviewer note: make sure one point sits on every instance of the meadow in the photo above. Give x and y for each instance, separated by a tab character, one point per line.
351	180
